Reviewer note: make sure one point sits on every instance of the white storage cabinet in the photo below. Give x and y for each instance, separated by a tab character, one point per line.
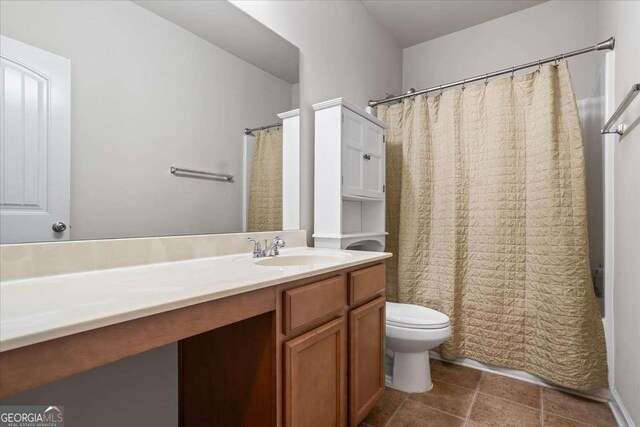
349	191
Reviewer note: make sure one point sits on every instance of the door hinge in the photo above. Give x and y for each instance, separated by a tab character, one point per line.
342	180
342	117
384	188
384	138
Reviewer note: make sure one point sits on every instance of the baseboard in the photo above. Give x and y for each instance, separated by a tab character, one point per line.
601	395
622	416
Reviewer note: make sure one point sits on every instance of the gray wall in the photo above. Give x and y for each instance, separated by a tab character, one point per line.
538	32
343	52
141	390
621	18
147	94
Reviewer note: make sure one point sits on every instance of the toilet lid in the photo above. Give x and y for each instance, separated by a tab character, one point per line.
415	316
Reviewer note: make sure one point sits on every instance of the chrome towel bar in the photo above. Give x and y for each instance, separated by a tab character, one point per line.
204	174
621	109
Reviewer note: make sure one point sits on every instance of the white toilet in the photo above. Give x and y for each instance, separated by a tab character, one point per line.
411	330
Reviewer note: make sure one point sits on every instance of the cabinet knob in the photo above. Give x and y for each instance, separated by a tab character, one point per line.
367	156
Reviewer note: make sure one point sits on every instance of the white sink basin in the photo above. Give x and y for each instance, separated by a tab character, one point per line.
291	260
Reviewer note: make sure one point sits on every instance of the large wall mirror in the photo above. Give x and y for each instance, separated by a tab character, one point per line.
145	118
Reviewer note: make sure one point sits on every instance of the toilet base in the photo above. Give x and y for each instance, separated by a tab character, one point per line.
411	372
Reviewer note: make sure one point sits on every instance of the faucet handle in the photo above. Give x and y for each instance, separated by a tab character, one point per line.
257	249
276	244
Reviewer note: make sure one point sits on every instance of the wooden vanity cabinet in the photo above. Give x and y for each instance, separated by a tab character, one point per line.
305	304
333	357
305	353
366	358
316	377
315	360
226	375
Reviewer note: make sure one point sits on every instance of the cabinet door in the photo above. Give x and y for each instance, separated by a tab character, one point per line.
352	154
373	155
366	359
315	377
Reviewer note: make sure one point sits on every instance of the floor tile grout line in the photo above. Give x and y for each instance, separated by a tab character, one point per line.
458	385
571	419
544	411
577	421
426	405
510	401
473	401
397	409
541	407
477	390
433	408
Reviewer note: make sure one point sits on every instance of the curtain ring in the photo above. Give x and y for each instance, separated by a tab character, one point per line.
539	65
441	92
464	82
513	72
486	79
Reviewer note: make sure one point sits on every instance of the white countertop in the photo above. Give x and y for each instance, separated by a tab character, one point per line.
44	308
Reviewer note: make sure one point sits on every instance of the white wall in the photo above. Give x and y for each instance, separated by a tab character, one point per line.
538	32
343	52
146	95
621	18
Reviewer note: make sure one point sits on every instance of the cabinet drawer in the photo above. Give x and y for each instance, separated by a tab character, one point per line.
366	283
307	303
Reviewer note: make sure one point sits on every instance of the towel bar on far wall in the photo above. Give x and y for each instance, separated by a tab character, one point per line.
202	174
621	109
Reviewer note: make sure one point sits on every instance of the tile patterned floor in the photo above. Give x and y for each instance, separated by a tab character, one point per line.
467	397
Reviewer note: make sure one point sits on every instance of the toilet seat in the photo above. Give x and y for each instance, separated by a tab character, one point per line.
413	316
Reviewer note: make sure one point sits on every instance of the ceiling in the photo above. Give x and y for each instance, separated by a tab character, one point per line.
413	22
229	28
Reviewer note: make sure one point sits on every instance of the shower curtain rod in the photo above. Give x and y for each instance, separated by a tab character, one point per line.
608	44
248	131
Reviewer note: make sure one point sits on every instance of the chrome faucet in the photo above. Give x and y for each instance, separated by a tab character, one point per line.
269	249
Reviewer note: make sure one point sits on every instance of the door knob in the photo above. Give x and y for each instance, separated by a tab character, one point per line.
367	156
59	227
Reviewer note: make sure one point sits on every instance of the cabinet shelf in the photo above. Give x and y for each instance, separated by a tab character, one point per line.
351	235
361	198
368	241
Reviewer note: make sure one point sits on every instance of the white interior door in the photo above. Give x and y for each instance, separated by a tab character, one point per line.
34	143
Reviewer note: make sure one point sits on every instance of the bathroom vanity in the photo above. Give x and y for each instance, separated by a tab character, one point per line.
294	340
316	358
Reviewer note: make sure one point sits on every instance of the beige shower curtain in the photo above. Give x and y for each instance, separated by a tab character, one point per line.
488	221
265	191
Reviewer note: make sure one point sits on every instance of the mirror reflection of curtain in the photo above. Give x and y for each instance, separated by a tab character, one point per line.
265	191
490	224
